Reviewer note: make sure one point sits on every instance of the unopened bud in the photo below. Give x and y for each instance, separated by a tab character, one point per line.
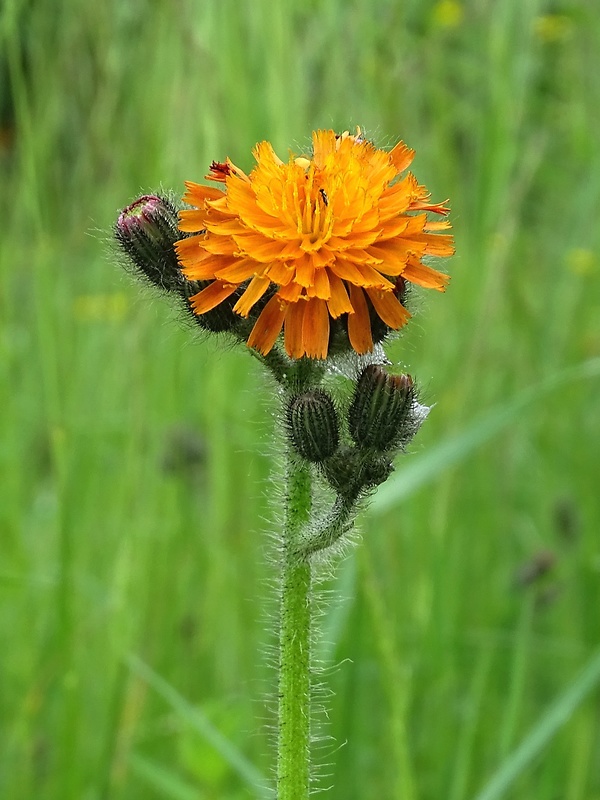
381	413
313	425
350	473
146	231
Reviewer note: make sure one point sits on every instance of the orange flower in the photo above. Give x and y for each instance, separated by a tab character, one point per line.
321	236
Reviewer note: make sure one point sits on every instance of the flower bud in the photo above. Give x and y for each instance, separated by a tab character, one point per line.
146	231
381	413
313	425
350	473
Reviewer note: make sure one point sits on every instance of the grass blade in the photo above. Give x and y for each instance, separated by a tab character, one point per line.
536	740
169	785
199	722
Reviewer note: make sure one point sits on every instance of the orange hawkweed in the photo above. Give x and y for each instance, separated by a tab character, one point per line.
321	236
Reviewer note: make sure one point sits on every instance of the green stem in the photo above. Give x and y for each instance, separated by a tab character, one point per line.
293	745
330	528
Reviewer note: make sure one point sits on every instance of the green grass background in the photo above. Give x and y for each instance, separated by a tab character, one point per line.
135	457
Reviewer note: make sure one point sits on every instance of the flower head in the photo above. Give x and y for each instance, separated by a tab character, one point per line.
322	237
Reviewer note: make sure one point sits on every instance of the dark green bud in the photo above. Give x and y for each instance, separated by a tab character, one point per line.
342	472
313	426
350	473
376	472
381	413
146	231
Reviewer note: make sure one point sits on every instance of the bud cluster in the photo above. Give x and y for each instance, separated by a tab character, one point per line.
355	450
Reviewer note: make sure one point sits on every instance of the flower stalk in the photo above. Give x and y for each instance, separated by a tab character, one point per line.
293	744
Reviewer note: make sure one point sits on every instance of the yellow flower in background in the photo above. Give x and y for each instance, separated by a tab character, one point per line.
107	307
330	234
582	261
553	27
448	13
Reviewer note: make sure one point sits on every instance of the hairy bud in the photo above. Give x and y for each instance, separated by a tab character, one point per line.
146	231
313	426
381	413
350	473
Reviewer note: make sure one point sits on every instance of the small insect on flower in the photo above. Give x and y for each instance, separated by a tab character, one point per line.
319	239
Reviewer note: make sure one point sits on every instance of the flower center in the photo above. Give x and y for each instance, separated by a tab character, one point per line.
315	218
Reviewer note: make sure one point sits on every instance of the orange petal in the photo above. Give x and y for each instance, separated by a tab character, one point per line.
280	273
189	245
293	329
322	257
264	153
324	143
220	205
255	290
315	328
268	326
219	245
436	244
389	308
263	249
372	278
211	296
339	302
197	194
320	287
239	271
191	221
212	267
395	253
438	225
395	199
353	239
359	255
291	292
225	226
401	156
359	323
305	270
346	270
419	273
393	227
201	271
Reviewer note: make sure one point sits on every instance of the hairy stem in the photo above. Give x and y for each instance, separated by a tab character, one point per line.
331	528
293	745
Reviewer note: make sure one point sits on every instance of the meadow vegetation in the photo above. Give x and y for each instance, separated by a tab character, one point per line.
461	640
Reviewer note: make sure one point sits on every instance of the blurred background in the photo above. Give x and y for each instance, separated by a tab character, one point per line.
135	456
